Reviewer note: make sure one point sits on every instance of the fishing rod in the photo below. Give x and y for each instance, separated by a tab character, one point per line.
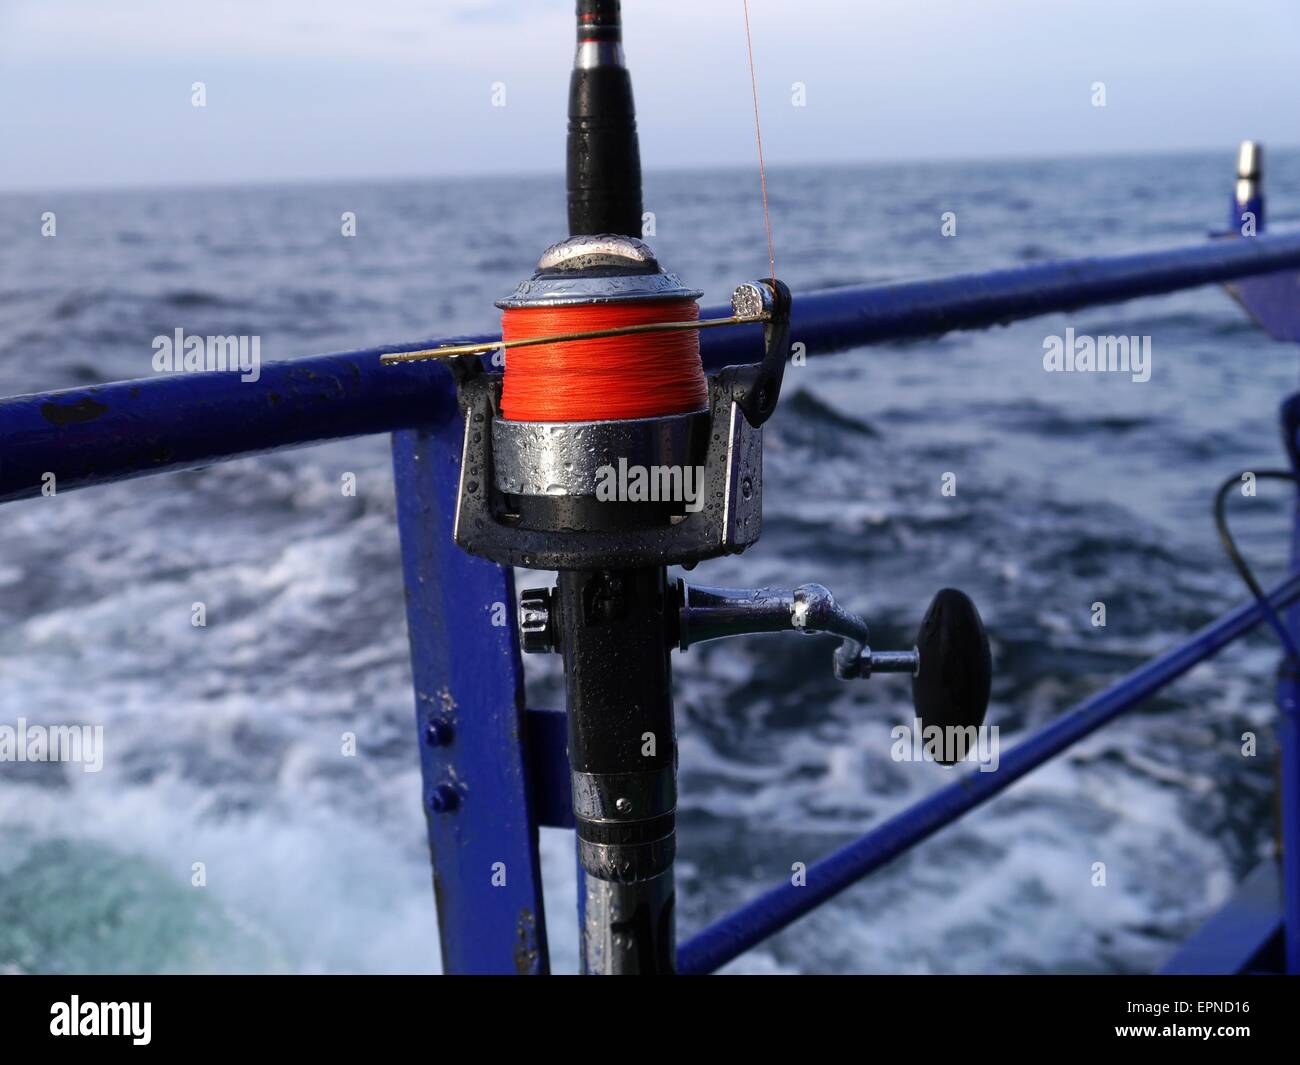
605	454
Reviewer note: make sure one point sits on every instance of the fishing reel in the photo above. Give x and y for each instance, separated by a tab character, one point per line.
534	492
531	491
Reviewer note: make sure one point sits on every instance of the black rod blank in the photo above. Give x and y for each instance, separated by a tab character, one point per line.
604	159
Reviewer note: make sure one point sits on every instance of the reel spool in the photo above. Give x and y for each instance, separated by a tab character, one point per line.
575	415
594	284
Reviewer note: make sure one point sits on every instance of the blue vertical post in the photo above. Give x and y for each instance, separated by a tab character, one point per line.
1288	735
1288	726
469	705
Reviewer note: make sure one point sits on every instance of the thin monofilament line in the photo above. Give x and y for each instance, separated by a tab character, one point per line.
758	133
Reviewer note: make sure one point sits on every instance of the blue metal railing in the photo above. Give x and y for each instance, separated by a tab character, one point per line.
483	756
133	428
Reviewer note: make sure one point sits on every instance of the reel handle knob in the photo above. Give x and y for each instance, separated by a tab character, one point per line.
952	686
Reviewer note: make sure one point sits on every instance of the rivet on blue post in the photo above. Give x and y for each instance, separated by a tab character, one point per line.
444	799
437	733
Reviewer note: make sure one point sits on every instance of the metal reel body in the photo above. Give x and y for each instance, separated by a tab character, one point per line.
557	532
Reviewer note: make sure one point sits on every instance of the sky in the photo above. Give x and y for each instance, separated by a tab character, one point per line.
98	93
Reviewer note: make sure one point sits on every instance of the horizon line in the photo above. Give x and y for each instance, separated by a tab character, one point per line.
557	172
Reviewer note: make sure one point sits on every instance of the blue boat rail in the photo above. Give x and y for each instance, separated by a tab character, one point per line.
495	769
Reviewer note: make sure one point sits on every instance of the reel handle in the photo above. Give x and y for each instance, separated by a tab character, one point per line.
951	665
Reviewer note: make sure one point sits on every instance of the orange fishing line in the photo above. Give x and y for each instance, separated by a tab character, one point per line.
758	133
644	375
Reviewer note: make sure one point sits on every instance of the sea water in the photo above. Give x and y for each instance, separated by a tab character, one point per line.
230	829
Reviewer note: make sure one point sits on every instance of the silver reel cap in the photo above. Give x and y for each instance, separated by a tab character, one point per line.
597	268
